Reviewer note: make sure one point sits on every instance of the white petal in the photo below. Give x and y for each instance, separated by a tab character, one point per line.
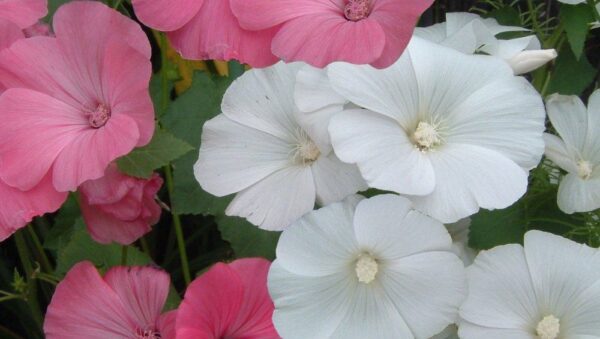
556	150
308	307
507	116
593	135
501	293
314	91
315	124
465	40
234	157
467	330
387	226
456	21
264	99
583	319
528	61
372	315
386	157
320	243
469	177
276	201
507	49
427	289
335	180
434	33
561	270
569	117
392	91
578	195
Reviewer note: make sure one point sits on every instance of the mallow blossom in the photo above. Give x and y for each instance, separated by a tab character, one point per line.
578	152
228	301
207	29
118	207
469	33
320	32
69	114
374	268
125	303
547	289
264	150
454	132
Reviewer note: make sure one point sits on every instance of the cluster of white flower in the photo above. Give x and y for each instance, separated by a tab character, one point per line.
449	128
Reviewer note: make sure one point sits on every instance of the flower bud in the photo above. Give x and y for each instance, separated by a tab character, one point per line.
527	61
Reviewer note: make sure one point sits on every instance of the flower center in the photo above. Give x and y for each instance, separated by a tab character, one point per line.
584	169
147	334
426	137
305	151
98	117
356	10
548	328
366	268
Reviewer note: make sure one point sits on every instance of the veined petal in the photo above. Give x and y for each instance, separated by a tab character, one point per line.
556	150
166	15
578	195
24	13
335	180
569	117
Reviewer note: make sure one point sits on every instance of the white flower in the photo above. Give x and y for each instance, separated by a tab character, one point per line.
380	270
578	152
572	2
459	231
548	289
258	149
469	33
455	132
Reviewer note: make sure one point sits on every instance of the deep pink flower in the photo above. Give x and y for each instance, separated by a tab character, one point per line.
17	208
126	303
23	13
118	207
320	32
207	29
228	301
76	102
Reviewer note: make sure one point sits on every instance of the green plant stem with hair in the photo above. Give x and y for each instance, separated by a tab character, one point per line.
25	258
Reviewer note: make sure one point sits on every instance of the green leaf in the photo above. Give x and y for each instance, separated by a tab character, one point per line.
507	15
576	21
571	76
498	227
185	118
156	89
246	239
81	247
162	149
62	230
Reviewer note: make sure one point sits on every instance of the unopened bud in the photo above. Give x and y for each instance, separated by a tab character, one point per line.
527	61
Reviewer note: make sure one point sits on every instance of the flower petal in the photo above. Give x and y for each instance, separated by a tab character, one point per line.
578	195
556	150
24	13
166	15
335	180
569	117
593	134
467	330
105	228
9	33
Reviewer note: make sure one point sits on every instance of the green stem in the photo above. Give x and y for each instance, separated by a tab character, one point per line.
145	246
124	249
31	284
44	261
534	19
10	297
185	266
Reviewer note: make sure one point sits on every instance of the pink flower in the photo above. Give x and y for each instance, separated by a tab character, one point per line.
76	102
18	208
118	207
320	32
207	29
228	301
126	303
23	13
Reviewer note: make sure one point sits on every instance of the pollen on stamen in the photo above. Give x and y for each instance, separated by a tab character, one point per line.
147	334
366	268
99	116
548	328
306	151
426	137
584	169
356	10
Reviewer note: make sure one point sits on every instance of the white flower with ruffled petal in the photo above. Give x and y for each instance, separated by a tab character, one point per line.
469	33
454	132
377	270
257	148
578	152
548	289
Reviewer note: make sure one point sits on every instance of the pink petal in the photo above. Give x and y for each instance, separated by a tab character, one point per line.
24	13
142	290
254	317
263	14
35	129
321	39
9	33
166	15
18	207
166	324
87	156
125	80
211	303
85	306
398	20
214	33
106	228
109	189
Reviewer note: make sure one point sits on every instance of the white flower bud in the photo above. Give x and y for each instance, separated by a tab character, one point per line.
527	61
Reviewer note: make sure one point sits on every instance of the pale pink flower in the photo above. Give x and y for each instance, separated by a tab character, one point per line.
23	13
118	207
228	301
125	304
320	32
207	29
76	102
